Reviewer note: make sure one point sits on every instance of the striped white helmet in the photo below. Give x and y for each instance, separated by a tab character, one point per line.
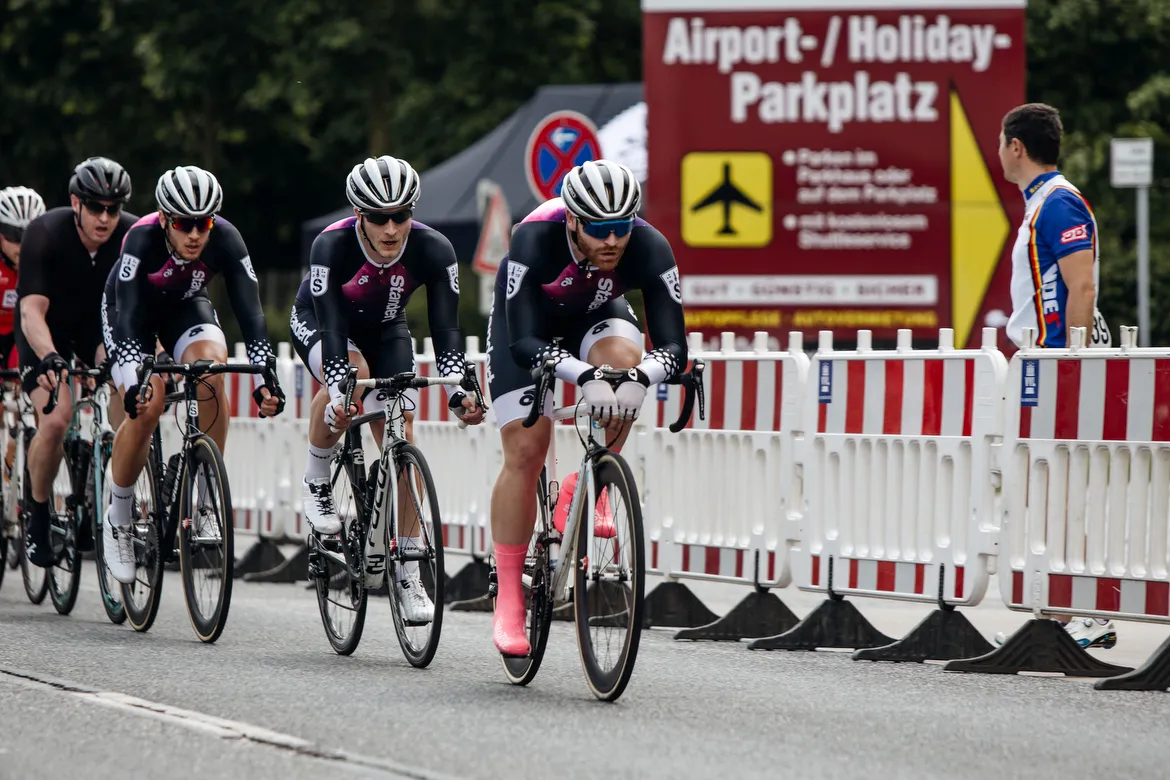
601	189
188	191
382	183
20	206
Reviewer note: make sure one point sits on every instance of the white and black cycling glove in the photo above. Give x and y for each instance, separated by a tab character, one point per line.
631	394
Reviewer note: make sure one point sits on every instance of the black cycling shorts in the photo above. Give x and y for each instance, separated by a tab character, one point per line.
387	350
182	324
511	387
80	340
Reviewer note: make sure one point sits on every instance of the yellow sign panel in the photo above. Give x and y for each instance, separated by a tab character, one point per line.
727	199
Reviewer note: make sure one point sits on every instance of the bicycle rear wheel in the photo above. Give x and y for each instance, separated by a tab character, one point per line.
96	493
538	597
610	580
148	519
206	538
65	577
36	579
341	598
419	639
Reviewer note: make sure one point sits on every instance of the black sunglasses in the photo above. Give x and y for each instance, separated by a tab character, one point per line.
12	233
382	217
96	208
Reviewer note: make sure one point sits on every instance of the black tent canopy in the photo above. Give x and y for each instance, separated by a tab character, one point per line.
448	190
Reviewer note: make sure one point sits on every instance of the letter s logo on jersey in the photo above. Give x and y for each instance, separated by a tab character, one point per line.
1078	233
453	277
318	279
10	299
129	267
673	286
516	273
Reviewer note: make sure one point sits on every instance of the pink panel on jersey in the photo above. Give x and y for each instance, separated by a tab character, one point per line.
549	211
150	219
340	224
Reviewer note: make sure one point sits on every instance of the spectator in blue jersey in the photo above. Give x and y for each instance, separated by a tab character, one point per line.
1055	265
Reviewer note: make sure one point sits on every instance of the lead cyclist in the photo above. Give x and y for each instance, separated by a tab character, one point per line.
568	267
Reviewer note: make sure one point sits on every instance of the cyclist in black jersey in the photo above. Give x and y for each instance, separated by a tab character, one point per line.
65	257
351	309
159	290
568	266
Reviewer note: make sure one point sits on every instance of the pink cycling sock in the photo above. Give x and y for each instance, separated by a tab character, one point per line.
509	573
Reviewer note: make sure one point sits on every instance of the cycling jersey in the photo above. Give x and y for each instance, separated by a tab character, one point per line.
8	294
151	285
54	263
543	294
353	297
1057	222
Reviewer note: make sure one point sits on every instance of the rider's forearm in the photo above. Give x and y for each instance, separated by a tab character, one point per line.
36	330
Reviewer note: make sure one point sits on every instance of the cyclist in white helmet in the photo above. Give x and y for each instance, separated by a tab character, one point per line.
568	266
158	289
351	310
18	207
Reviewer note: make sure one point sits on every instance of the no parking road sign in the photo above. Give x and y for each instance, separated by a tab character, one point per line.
560	141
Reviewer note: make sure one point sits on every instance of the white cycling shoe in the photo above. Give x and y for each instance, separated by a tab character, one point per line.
1086	632
118	552
317	504
416	604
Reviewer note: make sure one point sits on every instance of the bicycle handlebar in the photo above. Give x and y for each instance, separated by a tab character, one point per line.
205	367
405	380
691	382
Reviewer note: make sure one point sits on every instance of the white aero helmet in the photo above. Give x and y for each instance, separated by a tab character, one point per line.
382	183
188	191
20	206
599	190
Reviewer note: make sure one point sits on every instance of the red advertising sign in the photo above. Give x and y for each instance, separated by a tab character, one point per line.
832	165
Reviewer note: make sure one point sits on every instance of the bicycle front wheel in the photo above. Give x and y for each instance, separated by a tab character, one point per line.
537	593
148	518
610	578
414	571
206	539
36	579
97	497
342	598
65	527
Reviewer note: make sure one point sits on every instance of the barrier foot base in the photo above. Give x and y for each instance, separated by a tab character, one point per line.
944	635
1040	645
760	614
835	623
262	556
1153	675
470	582
673	605
294	569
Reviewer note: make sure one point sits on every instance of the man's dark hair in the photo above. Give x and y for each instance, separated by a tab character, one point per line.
1038	127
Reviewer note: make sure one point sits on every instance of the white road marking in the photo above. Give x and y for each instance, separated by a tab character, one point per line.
216	726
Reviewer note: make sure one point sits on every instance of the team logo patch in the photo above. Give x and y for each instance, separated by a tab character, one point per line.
453	276
318	279
1078	233
516	273
10	299
673	286
246	261
129	267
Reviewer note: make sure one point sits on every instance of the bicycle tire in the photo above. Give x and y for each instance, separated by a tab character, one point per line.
111	603
521	671
36	593
153	558
202	451
420	657
612	470
351	547
64	587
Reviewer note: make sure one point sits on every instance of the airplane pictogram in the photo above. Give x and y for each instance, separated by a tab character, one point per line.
727	194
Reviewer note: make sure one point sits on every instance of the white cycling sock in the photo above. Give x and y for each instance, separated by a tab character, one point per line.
317	465
410	568
121	500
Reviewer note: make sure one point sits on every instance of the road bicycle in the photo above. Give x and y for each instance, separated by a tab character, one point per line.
606	579
188	497
375	510
17	430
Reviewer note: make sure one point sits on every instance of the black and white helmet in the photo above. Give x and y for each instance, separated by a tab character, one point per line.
20	206
188	191
598	190
100	178
382	183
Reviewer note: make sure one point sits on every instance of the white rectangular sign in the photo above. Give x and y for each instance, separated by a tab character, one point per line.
1131	162
810	290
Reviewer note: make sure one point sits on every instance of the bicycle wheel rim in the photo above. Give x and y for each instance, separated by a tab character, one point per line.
419	642
334	585
65	576
613	598
206	539
107	585
141	598
538	599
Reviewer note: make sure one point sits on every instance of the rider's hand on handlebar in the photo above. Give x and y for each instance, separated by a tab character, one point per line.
336	418
270	404
466	409
52	370
132	404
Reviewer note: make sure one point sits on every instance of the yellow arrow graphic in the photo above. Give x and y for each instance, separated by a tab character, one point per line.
979	225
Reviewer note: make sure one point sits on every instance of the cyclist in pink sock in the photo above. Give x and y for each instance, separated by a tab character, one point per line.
559	294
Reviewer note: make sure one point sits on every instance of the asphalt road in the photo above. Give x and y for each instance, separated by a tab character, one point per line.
82	698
